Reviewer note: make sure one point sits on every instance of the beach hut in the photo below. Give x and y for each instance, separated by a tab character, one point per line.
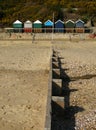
17	25
48	25
28	26
37	25
69	26
79	26
59	26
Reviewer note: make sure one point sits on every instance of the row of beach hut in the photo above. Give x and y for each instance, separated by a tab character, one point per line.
49	26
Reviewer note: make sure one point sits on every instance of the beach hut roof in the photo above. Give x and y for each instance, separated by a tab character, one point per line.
28	21
59	21
37	21
17	22
48	23
79	20
70	21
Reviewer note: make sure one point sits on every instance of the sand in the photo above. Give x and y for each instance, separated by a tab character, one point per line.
24	75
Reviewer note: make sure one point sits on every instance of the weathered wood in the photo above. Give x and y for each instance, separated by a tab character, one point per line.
56	73
55	65
54	59
57	98
49	97
56	87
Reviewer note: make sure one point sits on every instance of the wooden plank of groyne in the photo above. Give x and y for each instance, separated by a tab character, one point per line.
55	65
49	97
56	87
55	73
57	98
57	107
55	54
54	59
59	101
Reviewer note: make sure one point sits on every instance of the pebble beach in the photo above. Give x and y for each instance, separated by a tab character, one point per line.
79	65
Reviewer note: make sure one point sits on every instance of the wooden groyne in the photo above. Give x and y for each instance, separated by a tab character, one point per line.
49	97
57	102
54	90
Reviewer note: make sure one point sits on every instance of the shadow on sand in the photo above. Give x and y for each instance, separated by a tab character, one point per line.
63	114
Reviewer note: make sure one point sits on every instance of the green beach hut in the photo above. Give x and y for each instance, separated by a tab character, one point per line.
69	26
37	25
17	25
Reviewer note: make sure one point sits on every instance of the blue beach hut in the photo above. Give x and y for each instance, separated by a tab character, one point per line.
59	26
48	25
79	26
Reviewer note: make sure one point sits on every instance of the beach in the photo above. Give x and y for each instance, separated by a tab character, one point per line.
24	77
